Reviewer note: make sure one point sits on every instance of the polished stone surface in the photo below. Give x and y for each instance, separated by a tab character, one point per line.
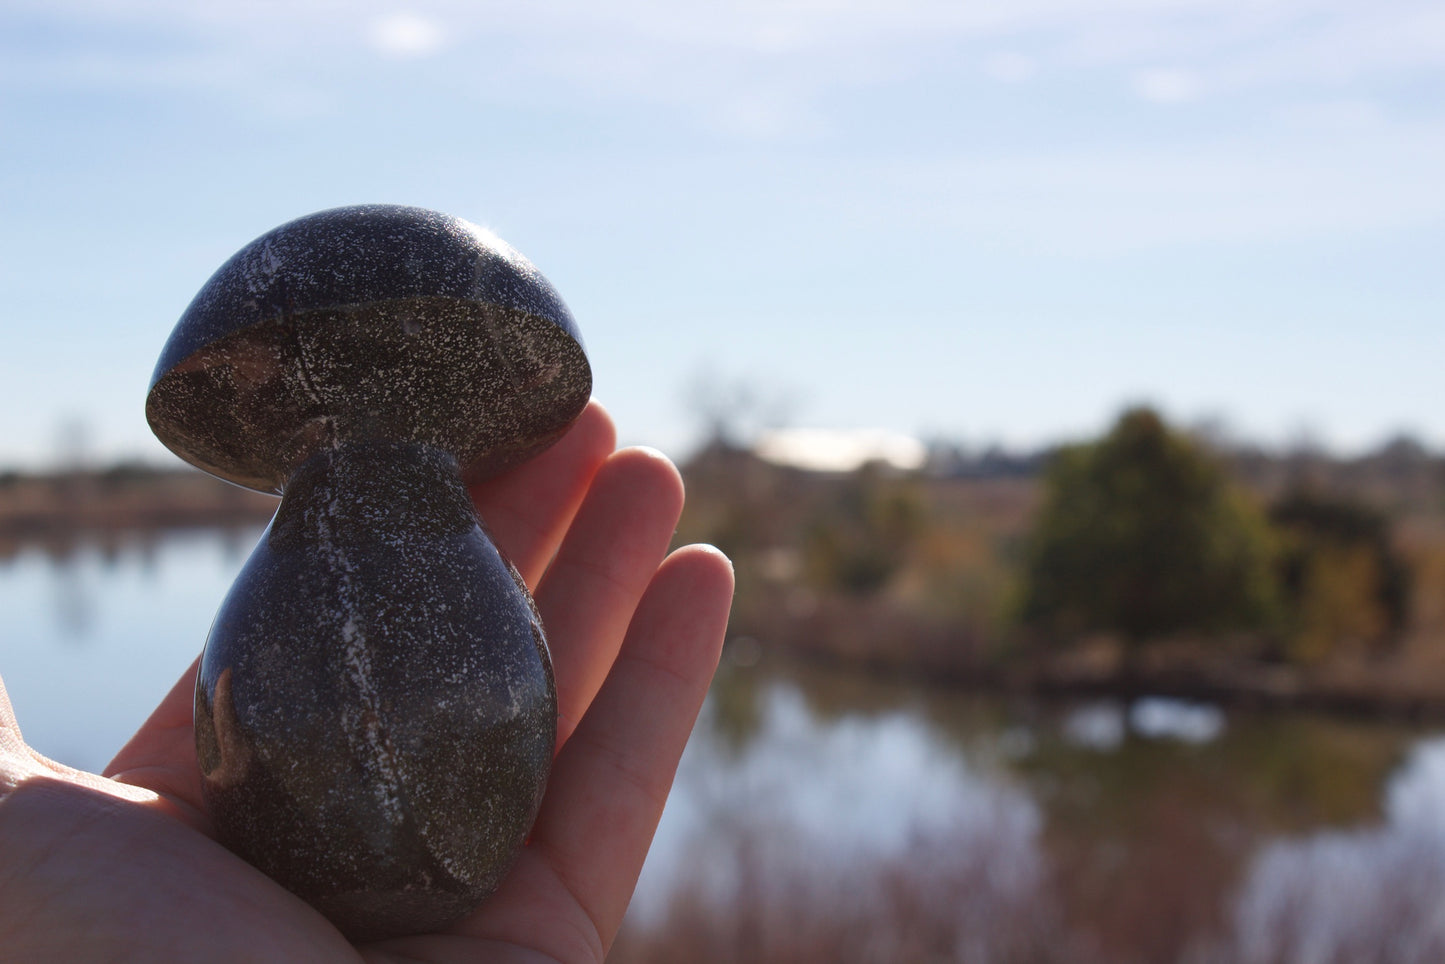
375	710
369	322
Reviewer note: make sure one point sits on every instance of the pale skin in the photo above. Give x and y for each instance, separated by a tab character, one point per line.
122	865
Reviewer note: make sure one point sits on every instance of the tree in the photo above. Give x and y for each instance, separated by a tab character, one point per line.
1142	534
1345	583
859	539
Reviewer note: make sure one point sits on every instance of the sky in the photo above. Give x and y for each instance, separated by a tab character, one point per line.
981	222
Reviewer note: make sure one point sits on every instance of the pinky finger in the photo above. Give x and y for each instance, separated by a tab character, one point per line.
612	777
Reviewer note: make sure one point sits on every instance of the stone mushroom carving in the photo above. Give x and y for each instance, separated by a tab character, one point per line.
375	708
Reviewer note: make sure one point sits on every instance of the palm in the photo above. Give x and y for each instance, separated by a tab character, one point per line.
126	864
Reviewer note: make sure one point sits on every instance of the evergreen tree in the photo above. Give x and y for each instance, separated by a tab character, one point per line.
1142	534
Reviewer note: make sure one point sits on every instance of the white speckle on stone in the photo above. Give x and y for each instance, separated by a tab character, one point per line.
458	869
267	263
514	709
356	656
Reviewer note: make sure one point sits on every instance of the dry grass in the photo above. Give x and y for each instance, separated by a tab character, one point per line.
946	608
58	512
941	900
1179	899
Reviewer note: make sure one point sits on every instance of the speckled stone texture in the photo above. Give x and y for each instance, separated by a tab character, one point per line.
375	710
369	322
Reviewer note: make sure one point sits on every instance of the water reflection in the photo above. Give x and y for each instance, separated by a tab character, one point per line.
822	816
95	633
1096	726
786	843
1360	894
1170	719
837	794
1101	725
74	600
1415	795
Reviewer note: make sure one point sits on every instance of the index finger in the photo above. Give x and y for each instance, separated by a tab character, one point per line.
528	509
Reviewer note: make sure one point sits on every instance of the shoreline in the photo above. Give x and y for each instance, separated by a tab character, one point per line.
882	636
1242	685
59	511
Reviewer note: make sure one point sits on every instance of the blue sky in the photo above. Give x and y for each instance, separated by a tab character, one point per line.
978	221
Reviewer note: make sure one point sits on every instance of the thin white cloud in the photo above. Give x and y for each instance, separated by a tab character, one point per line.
1165	86
773	69
1348	114
1010	67
406	35
1222	43
765	116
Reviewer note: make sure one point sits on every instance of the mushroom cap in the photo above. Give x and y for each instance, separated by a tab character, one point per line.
369	322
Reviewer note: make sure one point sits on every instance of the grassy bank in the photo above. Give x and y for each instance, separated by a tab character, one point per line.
923	575
58	511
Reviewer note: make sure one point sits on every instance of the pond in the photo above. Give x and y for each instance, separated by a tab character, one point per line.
822	815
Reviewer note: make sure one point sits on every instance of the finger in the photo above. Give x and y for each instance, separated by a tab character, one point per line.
8	723
162	755
19	762
11	742
618	538
610	781
527	509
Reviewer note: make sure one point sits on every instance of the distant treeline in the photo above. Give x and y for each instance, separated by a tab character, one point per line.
1148	558
56	510
1399	470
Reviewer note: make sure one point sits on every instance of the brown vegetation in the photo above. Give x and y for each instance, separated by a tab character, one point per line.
927	574
1145	850
941	900
55	512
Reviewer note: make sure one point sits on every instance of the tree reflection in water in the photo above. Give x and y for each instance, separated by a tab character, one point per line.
1367	894
823	817
794	843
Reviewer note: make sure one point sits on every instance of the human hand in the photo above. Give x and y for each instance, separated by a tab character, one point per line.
123	866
